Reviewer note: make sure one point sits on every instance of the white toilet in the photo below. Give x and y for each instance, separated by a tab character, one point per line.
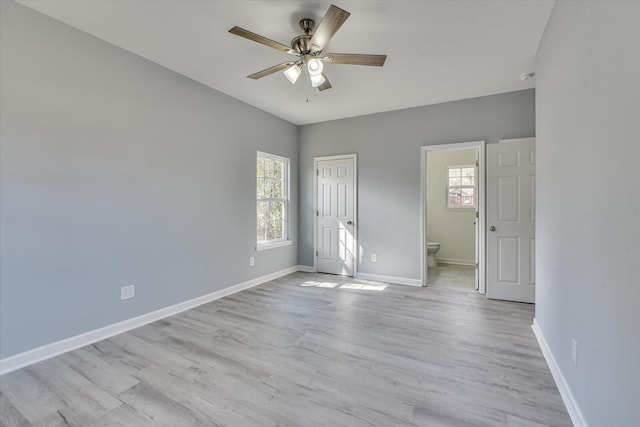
432	248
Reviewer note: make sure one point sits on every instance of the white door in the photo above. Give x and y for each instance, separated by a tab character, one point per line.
511	220
336	243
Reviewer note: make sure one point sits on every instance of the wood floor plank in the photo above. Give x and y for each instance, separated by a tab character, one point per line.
34	399
9	414
305	350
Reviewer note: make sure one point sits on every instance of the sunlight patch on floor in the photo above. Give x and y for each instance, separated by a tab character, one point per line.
358	286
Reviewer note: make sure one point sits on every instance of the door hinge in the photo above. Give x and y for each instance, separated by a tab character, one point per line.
477	163
316	253
477	214
317	213
477	266
317	172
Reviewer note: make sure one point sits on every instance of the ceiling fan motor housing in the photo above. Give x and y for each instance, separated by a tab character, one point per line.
301	44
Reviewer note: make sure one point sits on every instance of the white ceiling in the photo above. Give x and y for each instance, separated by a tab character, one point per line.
437	51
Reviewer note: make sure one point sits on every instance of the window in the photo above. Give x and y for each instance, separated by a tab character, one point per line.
272	201
461	187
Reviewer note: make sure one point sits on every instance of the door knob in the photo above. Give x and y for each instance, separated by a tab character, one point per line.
349	223
492	228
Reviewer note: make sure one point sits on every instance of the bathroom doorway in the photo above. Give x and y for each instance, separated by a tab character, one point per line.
453	216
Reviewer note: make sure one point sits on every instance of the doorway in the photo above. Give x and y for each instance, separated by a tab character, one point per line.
335	237
453	190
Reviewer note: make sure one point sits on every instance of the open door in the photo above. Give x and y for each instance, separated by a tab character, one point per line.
511	220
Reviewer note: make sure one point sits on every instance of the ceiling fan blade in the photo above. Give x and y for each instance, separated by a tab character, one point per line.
326	85
270	70
331	22
258	38
356	59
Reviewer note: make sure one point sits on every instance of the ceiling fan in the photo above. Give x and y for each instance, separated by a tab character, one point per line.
308	48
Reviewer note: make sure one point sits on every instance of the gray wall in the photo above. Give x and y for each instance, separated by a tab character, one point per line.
388	148
118	171
588	212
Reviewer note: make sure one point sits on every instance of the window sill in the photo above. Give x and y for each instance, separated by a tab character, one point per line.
265	246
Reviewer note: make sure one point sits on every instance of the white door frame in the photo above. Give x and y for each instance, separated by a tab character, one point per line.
356	254
480	145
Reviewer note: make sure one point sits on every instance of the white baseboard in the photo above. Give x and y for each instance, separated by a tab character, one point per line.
389	279
306	268
456	261
48	351
565	392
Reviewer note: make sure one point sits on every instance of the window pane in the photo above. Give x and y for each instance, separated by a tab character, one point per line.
262	211
277	190
275	211
467	180
454	181
454	172
268	168
454	197
467	198
467	171
278	167
271	230
268	188
278	230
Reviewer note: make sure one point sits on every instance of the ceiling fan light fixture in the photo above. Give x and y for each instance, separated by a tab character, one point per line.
292	73
315	67
317	79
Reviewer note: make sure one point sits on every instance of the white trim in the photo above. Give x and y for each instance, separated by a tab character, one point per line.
356	255
481	146
565	392
272	156
48	351
306	268
529	138
456	261
279	244
389	279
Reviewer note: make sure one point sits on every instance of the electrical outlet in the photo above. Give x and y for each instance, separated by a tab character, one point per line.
127	292
374	257
252	261
574	351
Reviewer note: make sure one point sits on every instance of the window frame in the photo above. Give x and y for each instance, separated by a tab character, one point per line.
286	186
474	186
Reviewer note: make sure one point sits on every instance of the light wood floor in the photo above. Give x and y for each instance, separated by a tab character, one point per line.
461	277
304	350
